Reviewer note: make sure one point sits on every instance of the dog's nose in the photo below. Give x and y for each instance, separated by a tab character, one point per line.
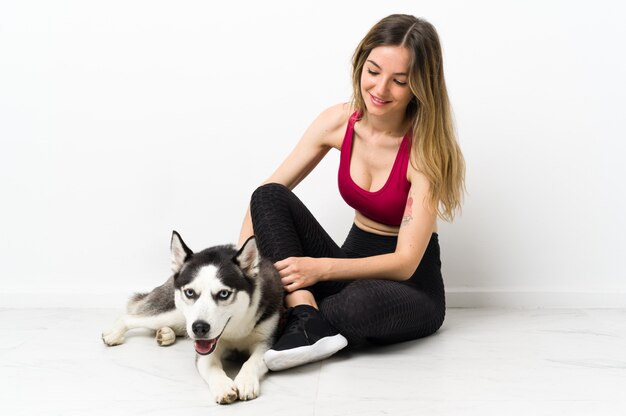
200	328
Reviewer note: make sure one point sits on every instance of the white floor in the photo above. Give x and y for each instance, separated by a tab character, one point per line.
481	362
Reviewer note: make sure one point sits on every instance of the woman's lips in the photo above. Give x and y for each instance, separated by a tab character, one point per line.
378	101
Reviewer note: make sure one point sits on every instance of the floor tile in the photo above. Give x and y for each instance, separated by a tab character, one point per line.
481	362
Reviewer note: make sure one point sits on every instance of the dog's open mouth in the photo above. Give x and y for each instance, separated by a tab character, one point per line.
206	346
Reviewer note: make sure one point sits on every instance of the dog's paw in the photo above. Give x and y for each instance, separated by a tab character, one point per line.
224	390
248	386
114	336
165	336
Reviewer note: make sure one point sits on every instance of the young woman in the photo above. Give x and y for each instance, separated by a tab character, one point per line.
400	168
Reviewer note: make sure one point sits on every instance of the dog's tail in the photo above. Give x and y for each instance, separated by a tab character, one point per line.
133	307
159	300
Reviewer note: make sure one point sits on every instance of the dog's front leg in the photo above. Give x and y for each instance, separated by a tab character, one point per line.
222	387
247	381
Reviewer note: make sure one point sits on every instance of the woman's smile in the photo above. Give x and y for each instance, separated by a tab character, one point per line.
377	101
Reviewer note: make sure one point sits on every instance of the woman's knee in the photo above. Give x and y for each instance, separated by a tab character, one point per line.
269	191
268	198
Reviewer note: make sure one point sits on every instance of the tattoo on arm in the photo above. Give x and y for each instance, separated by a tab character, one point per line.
408	211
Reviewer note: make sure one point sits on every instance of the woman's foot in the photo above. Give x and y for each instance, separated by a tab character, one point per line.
307	338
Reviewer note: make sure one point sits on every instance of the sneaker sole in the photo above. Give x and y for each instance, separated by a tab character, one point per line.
324	348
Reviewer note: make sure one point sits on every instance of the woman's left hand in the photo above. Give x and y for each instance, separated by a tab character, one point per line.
299	272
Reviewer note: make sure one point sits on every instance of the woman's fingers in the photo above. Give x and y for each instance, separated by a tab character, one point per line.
289	272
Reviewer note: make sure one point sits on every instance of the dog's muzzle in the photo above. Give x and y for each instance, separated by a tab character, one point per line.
205	346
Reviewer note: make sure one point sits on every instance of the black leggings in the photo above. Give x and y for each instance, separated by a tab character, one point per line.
364	311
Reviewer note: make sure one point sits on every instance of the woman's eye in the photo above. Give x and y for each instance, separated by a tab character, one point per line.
400	83
369	71
190	293
223	295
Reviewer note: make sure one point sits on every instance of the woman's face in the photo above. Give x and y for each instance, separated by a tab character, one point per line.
384	80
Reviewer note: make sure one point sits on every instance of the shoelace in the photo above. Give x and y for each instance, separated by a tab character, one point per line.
295	324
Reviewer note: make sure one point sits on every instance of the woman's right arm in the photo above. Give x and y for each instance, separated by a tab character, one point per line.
324	133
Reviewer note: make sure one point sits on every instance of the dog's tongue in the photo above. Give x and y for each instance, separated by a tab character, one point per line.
205	347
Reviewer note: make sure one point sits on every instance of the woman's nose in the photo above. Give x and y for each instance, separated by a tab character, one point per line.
381	88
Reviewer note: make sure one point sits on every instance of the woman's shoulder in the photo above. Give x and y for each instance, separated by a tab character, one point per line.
330	124
338	113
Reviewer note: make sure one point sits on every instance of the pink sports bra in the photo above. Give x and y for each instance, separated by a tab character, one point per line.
386	205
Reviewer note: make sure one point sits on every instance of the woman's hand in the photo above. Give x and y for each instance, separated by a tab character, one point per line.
299	272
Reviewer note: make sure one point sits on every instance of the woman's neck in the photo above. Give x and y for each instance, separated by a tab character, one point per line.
393	125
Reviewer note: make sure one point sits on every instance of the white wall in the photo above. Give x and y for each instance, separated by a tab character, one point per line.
123	120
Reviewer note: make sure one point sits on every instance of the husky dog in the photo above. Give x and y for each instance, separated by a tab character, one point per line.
226	300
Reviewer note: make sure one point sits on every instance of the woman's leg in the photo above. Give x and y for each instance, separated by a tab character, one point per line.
383	312
284	227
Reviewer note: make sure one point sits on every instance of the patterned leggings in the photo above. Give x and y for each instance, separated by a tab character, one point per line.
364	311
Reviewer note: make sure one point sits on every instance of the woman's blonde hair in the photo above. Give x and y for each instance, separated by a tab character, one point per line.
435	151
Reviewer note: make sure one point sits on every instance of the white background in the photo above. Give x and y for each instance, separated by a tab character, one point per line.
123	120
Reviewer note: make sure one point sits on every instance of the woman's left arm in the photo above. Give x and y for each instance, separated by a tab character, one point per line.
415	232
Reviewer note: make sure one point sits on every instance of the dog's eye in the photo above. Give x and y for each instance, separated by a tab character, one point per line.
223	294
190	293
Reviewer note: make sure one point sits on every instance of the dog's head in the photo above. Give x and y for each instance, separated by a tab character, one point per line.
213	288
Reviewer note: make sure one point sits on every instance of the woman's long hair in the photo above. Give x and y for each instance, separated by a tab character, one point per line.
435	151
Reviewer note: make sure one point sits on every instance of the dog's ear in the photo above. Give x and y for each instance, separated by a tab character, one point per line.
248	257
179	252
